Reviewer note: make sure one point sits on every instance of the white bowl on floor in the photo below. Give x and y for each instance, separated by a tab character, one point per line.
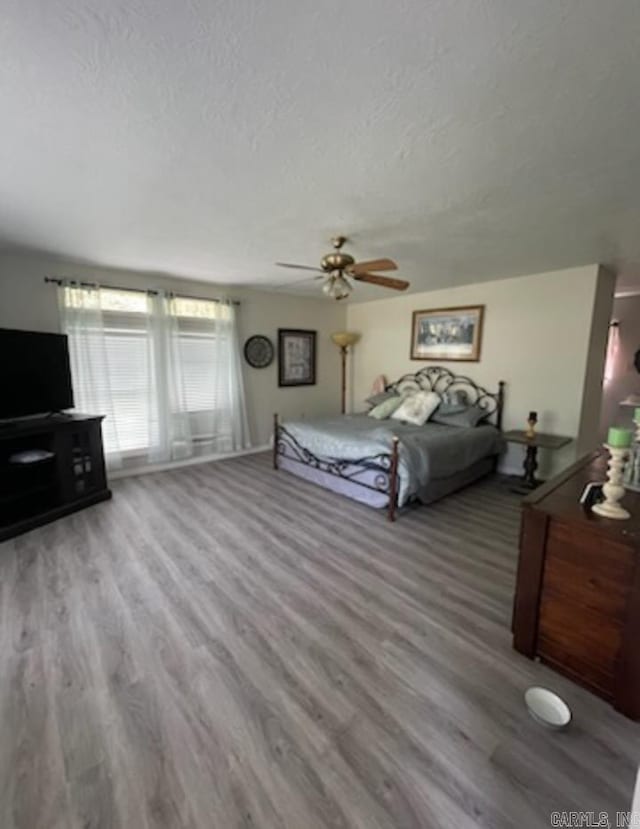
547	708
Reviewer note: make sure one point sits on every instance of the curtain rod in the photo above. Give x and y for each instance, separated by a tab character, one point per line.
57	281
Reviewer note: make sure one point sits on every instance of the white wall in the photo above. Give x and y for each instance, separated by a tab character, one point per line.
537	337
27	302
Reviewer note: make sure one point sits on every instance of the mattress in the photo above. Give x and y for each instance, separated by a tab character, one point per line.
426	453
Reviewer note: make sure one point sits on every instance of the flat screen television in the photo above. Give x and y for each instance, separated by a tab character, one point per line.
35	375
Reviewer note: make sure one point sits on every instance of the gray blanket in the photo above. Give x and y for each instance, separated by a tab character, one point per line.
425	452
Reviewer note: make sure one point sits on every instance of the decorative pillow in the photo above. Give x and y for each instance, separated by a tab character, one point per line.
417	408
385	409
377	399
453	402
457	397
467	418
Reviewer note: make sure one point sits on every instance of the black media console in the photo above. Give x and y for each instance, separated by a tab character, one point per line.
49	467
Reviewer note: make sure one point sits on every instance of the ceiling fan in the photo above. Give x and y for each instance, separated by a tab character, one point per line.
337	268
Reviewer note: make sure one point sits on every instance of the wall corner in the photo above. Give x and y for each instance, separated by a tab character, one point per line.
589	428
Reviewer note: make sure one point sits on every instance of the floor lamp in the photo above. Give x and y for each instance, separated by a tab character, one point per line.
343	340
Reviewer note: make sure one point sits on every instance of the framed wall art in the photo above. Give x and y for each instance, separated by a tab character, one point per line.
296	357
447	334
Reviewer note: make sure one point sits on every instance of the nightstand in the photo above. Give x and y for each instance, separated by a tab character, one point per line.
539	441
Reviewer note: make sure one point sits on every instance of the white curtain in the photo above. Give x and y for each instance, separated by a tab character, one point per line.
174	425
164	369
81	317
205	393
234	429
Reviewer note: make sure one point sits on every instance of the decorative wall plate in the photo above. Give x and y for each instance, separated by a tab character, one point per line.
259	351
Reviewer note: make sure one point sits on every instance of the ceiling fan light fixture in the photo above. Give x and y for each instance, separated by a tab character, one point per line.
337	287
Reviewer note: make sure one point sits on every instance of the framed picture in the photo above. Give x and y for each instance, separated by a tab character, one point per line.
296	357
447	334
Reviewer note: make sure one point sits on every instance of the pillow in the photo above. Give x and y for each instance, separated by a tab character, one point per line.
457	397
469	417
385	409
453	402
417	408
377	399
445	409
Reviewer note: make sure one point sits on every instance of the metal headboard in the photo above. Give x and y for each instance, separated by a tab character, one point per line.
441	380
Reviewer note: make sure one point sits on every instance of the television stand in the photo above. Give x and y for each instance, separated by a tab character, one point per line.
69	476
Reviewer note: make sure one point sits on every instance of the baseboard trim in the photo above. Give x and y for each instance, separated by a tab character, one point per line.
150	468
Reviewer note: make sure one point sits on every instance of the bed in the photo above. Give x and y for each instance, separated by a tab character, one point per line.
387	464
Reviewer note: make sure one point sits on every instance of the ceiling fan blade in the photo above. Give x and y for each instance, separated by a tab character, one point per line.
384	281
298	267
374	265
298	281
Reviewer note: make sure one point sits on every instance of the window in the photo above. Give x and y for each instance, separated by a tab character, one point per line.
204	309
112	364
130	367
203	344
198	370
163	369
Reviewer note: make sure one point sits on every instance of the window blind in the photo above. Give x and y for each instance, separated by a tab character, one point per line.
131	370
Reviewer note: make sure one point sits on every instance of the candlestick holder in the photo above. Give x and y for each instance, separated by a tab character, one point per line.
613	490
531	425
632	470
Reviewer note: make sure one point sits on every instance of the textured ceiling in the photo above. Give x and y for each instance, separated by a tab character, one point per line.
469	140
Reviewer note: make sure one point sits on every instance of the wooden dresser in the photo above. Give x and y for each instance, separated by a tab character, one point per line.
577	603
71	478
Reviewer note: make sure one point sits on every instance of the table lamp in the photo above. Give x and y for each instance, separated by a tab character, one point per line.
343	339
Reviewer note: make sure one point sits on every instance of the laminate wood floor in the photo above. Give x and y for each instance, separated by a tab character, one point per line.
226	646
